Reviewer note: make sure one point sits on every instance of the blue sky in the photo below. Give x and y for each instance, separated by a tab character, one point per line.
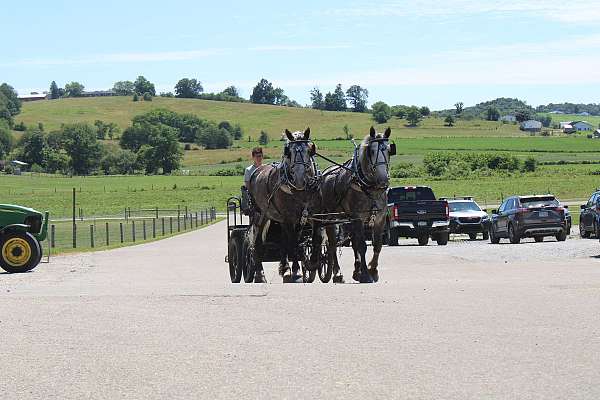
404	52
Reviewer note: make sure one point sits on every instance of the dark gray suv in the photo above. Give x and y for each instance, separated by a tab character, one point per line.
528	216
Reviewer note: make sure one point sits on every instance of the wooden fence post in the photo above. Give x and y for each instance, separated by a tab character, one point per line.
53	236
196	219
74	236
178	222
163	225
133	229
144	228
107	235
153	228
171	225
121	231
92	236
185	221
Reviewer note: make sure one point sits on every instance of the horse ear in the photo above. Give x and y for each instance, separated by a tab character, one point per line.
387	133
307	134
372	132
289	135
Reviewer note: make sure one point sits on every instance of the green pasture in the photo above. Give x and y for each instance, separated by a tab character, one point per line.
252	117
592	119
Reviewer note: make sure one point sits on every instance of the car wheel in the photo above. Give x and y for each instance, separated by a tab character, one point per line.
539	239
442	239
472	236
423	240
513	236
393	237
492	235
486	235
582	232
562	236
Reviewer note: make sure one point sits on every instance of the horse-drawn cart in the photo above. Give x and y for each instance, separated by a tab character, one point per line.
240	254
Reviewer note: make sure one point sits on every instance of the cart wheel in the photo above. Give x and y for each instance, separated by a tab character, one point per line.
235	258
307	275
325	270
19	252
248	262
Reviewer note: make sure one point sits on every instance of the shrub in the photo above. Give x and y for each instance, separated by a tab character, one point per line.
136	97
147	96
381	112
20	127
263	139
530	164
235	171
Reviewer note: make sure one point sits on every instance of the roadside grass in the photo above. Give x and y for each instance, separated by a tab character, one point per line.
64	235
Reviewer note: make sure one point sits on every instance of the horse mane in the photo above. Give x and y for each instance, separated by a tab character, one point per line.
368	138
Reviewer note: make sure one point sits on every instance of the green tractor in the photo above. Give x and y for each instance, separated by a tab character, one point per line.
22	230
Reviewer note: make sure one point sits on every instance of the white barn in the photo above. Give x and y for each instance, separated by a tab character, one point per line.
531	126
582	126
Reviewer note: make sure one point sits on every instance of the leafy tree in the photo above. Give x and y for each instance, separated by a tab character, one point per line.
188	88
399	111
106	130
546	120
316	98
136	97
530	164
381	112
118	161
358	98
55	161
155	145
225	125
413	116
74	89
449	120
336	101
522	115
280	98
459	107
31	147
54	94
11	101
263	93
6	141
147	96
493	114
231	91
212	137
263	139
167	94
80	143
124	88
425	111
143	85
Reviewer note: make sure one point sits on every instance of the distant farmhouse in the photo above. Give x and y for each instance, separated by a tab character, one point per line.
576	126
509	118
531	126
98	93
34	96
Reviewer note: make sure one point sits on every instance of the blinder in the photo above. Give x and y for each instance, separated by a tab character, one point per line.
392	150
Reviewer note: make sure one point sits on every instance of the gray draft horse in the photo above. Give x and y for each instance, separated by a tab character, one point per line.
285	193
359	191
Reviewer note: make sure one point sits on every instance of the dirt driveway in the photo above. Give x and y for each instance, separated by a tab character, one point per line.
465	321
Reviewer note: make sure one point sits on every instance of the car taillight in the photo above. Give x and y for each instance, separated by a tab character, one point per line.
447	211
395	211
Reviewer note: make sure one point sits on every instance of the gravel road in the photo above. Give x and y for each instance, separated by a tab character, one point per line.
469	320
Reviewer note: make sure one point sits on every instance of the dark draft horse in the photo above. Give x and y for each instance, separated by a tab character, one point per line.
358	190
285	193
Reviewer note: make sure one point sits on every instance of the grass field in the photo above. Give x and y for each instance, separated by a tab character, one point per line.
252	117
594	120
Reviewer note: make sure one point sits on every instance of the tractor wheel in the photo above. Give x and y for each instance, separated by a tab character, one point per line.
19	252
235	259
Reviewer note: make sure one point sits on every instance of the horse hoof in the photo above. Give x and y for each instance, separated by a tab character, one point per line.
365	278
297	279
356	276
374	274
260	277
338	279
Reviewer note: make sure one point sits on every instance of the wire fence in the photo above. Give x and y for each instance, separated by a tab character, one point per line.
132	227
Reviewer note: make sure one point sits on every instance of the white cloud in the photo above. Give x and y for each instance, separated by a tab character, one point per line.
299	47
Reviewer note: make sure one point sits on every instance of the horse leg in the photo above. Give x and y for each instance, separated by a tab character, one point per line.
294	251
284	266
359	246
332	254
377	244
315	251
259	273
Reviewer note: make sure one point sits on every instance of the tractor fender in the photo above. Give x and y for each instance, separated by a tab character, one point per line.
21	228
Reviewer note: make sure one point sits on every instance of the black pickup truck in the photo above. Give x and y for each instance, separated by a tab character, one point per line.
414	212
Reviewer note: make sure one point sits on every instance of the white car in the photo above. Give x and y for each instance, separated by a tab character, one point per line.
466	217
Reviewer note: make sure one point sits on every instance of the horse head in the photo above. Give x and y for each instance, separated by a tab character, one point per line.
374	158
298	159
